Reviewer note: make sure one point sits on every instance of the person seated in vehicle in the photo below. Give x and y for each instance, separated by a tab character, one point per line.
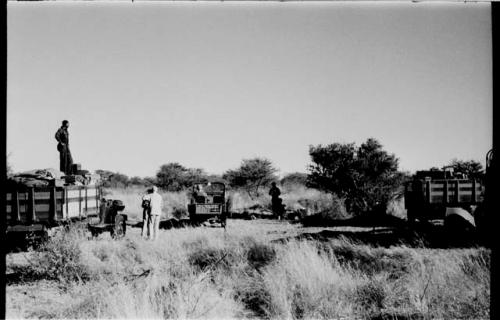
199	195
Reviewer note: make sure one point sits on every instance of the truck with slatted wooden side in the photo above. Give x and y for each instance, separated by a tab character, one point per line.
437	195
38	210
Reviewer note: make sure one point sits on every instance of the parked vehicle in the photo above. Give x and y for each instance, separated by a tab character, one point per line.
38	210
445	195
208	203
109	219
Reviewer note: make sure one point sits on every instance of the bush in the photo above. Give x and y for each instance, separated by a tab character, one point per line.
204	258
260	255
251	176
60	258
294	180
251	292
370	296
367	177
176	177
112	179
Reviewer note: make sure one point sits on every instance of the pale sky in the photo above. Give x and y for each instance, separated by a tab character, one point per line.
209	84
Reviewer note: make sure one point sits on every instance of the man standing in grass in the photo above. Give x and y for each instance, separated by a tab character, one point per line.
146	212
156	203
276	201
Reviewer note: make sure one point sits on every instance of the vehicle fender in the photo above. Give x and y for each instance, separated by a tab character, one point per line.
464	214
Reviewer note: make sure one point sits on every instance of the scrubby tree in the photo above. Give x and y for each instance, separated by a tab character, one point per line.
473	169
175	177
252	175
367	176
170	176
194	175
217	178
333	168
138	181
149	181
113	179
294	179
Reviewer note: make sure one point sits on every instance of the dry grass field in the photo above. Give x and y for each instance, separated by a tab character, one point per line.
265	269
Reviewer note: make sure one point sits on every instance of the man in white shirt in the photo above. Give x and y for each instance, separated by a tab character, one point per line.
154	214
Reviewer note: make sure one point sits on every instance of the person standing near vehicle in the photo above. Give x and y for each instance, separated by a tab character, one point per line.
146	212
156	203
62	137
276	201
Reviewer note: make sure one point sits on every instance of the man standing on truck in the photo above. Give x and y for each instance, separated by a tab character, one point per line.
154	214
62	137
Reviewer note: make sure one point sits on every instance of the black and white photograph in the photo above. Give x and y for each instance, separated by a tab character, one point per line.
249	159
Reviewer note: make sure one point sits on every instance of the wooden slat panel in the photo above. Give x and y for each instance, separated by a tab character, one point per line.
466	198
66	204
60	211
45	207
80	203
41	205
22	196
32	206
42	195
73	211
72	194
53	205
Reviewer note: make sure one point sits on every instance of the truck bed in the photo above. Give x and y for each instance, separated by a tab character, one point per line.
50	205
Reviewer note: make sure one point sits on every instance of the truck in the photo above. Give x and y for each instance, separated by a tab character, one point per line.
208	203
38	211
442	195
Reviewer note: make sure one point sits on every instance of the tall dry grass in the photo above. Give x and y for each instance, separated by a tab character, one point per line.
208	273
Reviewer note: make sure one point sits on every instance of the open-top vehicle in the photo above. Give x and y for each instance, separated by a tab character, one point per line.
208	203
109	219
